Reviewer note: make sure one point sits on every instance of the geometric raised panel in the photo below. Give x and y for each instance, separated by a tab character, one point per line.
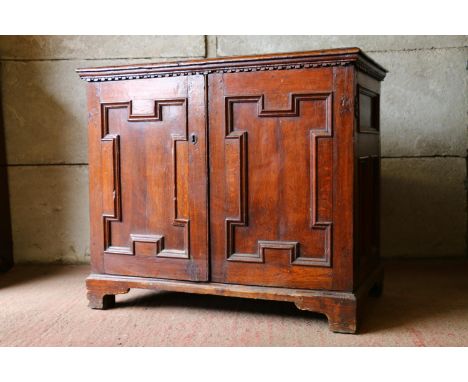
368	210
368	111
241	220
143	244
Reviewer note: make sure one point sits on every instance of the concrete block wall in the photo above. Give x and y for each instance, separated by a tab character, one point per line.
424	132
44	105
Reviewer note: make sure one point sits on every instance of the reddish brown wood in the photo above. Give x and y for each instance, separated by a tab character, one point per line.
271	178
283	201
367	179
340	308
294	60
147	181
102	296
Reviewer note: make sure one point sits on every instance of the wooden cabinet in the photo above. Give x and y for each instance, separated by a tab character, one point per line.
253	177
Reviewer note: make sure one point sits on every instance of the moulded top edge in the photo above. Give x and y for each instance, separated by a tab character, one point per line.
318	58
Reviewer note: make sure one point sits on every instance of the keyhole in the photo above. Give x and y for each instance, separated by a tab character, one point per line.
193	138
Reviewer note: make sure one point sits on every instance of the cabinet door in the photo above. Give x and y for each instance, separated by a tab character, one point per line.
273	191
147	146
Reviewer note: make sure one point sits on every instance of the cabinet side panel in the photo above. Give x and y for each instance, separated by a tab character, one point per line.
367	163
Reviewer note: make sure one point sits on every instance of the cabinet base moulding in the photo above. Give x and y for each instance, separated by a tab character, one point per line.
341	308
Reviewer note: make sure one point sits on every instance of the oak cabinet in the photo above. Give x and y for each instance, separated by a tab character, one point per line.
249	176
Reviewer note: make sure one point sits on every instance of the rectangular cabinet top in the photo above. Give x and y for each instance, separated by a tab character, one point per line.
282	61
